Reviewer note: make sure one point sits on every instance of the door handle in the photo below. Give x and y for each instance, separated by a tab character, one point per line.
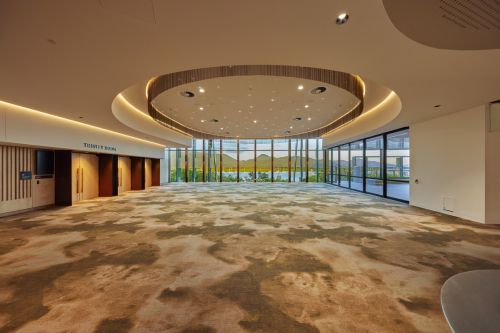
77	180
82	182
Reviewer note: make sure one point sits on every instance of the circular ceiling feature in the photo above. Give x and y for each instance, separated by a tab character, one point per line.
318	90
187	94
275	97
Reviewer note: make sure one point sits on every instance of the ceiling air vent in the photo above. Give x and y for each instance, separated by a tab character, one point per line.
318	90
187	93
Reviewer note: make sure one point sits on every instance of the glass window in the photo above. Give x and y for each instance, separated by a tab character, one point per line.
334	165
247	159
374	177
229	160
263	173
298	166
344	166
398	165
212	151
357	165
280	160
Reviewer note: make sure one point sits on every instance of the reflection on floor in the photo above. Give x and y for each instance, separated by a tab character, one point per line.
235	258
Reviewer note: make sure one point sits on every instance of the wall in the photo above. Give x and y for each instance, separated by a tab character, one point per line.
17	194
25	126
493	164
448	159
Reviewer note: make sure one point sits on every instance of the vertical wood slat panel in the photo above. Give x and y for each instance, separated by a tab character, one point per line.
13	160
2	168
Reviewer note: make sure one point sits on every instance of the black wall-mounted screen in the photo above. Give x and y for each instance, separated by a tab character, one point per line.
44	162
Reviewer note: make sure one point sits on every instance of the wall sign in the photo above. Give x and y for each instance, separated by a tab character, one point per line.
25	175
99	147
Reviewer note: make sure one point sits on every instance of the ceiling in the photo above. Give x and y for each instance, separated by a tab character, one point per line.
448	24
255	106
72	58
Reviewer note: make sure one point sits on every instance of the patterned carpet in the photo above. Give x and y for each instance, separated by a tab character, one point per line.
235	258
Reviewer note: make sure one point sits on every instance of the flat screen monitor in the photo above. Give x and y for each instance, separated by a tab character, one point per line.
44	160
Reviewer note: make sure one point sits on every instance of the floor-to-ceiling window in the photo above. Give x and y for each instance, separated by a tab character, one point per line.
335	165
247	160
280	160
378	165
264	160
344	166
398	165
374	149
229	160
357	165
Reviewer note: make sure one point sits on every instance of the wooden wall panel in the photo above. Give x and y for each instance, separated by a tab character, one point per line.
137	173
13	160
155	172
63	177
108	174
15	194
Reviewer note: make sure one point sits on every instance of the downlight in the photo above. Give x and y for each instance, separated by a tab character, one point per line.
187	93
318	90
342	18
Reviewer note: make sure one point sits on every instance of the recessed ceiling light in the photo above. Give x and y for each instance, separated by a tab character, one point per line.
203	120
201	108
221	128
201	90
291	127
81	117
300	87
255	121
251	106
308	118
297	118
240	111
306	106
272	99
342	18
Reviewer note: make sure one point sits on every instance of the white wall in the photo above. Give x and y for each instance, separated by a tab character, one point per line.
493	165
448	159
30	127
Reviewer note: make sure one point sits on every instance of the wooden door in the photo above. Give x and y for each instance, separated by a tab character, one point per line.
76	178
147	173
89	165
124	174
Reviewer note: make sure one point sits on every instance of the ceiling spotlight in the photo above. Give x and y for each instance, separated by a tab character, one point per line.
222	128
201	90
272	99
201	108
291	127
342	18
300	87
309	118
187	94
306	106
255	121
240	111
203	120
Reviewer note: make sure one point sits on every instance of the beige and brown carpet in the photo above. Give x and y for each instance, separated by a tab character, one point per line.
269	258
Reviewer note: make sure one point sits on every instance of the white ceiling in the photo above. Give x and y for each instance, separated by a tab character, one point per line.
72	58
255	106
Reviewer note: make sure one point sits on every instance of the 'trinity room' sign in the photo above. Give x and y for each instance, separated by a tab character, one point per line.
98	147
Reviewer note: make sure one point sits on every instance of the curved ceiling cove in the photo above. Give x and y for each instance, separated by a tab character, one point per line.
448	24
307	89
